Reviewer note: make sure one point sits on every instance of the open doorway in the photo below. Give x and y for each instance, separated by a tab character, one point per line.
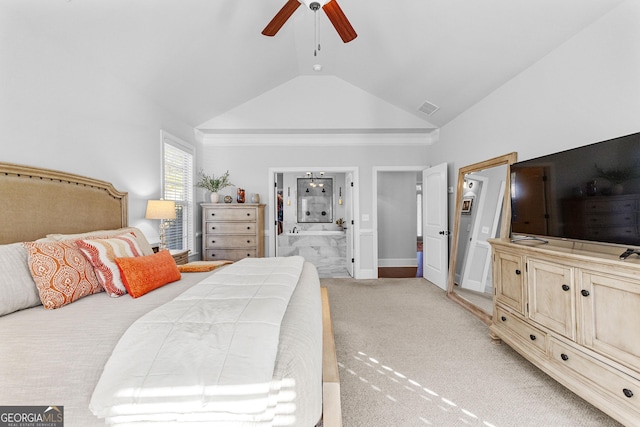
312	216
399	221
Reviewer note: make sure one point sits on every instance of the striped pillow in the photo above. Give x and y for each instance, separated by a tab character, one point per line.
101	253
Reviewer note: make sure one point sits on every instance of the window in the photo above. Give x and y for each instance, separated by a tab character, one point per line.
177	185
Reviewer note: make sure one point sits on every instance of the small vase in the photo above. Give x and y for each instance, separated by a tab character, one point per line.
240	198
215	197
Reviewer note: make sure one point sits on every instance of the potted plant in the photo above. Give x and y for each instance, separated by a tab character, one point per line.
617	176
214	184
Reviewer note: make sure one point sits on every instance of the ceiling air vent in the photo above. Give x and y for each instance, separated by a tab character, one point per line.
428	108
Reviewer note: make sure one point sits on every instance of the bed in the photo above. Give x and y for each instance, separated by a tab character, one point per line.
57	357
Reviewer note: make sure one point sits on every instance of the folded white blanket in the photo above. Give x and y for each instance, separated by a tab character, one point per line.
207	355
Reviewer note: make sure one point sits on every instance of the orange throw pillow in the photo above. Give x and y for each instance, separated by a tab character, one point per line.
145	273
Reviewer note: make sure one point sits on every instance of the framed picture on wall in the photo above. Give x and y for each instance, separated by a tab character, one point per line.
467	202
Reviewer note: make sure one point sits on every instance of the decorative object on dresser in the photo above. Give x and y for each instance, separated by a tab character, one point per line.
232	232
573	310
163	210
214	184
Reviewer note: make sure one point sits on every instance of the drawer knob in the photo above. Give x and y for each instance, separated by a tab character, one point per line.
248	228
248	241
248	214
564	357
213	214
627	392
533	337
584	292
565	287
503	318
518	272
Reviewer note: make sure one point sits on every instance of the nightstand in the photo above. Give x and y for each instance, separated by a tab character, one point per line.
181	256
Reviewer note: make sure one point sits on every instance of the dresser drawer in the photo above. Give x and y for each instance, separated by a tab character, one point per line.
230	228
611	219
618	385
525	332
229	254
224	241
611	205
239	214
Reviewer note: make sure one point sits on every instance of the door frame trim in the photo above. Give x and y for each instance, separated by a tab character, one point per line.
272	232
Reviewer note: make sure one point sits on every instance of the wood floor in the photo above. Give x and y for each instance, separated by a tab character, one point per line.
397	272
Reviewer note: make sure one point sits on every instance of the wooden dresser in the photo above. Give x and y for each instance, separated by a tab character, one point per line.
603	218
573	310
232	231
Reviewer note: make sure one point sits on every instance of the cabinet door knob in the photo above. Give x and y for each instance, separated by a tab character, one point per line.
533	337
564	357
584	292
627	392
565	287
504	319
518	272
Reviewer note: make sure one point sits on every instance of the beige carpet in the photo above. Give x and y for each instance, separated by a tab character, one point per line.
408	356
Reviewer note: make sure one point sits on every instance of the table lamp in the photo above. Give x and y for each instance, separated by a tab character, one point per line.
163	210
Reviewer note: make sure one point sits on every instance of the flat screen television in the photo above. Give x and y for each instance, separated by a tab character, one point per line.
590	193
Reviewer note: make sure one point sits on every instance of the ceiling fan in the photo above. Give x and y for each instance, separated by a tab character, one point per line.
330	7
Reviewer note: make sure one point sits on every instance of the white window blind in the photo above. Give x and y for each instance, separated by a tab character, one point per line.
177	184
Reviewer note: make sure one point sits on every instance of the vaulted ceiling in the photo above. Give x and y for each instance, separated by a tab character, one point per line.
202	58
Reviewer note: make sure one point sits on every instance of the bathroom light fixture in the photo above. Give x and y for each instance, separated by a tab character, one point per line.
313	178
340	199
288	196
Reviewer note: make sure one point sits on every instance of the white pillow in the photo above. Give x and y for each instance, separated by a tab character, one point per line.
17	288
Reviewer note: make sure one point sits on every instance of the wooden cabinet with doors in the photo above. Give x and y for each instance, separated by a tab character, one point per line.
574	312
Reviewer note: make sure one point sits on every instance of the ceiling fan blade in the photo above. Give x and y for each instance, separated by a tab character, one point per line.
281	17
339	21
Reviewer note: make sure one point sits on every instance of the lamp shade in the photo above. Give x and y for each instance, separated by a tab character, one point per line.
161	209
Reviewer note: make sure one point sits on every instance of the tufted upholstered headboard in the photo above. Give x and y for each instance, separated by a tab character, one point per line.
35	202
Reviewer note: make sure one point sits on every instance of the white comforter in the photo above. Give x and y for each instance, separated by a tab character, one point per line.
207	355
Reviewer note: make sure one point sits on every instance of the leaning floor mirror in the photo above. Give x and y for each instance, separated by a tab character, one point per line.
483	211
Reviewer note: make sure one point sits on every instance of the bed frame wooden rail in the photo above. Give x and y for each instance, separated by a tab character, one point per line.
331	408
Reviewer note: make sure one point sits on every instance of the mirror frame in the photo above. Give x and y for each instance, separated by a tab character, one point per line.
506	159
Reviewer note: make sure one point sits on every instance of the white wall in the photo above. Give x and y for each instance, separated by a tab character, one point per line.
60	112
249	157
586	91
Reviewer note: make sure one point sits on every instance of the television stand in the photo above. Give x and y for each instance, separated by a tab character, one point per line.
626	254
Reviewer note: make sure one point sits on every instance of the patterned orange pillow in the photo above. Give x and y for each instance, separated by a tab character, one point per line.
62	274
146	273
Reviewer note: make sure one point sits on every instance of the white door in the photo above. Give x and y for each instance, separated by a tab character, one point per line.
435	252
477	264
349	219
